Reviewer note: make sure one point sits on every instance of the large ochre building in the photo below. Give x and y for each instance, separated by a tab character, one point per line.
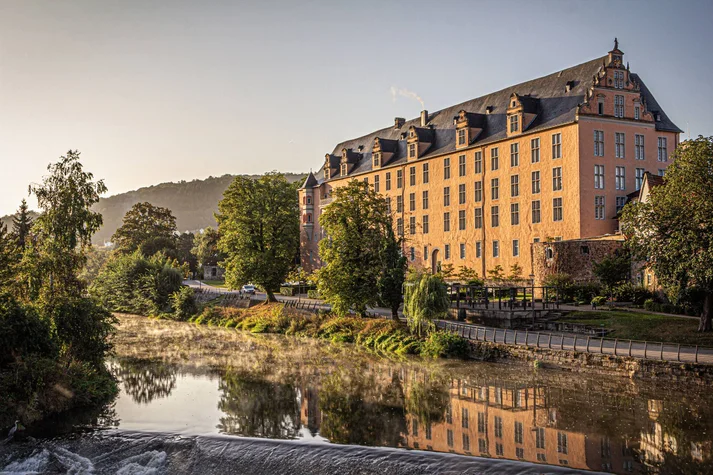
477	183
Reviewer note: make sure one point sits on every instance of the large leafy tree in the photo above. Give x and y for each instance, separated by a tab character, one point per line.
22	224
613	270
360	237
258	223
673	229
393	273
63	230
148	228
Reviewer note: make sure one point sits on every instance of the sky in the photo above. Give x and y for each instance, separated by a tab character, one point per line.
151	91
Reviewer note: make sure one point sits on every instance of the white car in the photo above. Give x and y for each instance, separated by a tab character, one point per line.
248	289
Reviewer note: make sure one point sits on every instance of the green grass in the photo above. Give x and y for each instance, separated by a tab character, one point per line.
644	326
215	283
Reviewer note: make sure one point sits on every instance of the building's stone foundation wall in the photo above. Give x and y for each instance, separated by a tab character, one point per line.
576	361
576	258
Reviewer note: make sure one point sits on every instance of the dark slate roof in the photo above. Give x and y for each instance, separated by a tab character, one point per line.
555	107
652	106
310	181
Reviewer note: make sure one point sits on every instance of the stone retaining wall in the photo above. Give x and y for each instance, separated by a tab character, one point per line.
577	361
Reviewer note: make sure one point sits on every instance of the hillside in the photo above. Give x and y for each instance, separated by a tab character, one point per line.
192	202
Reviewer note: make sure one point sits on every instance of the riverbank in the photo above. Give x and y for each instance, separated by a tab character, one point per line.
377	334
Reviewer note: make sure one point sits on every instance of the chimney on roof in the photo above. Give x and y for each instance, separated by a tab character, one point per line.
399	122
424	118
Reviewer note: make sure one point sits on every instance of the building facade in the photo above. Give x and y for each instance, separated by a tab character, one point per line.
478	183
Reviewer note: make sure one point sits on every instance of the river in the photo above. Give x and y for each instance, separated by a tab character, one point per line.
213	401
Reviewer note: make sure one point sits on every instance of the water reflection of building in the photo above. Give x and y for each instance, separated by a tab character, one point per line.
513	423
521	421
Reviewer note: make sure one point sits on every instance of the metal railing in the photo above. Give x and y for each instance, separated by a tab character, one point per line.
587	344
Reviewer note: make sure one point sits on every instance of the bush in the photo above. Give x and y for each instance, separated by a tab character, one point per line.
623	292
650	305
599	301
444	344
133	283
313	294
184	303
23	332
288	291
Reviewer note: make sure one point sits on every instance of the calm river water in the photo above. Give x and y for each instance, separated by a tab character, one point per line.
206	400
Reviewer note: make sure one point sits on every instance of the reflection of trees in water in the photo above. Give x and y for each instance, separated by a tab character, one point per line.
255	407
356	409
146	380
428	398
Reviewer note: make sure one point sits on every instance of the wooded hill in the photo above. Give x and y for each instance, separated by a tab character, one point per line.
192	203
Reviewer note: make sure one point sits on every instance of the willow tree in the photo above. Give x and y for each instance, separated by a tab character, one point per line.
426	299
673	229
258	223
362	256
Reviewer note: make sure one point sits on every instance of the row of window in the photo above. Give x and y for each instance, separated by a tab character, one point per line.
620	177
535	206
478	189
620	146
518	435
478	163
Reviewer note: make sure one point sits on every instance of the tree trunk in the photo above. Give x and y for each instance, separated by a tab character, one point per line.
395	314
270	296
706	314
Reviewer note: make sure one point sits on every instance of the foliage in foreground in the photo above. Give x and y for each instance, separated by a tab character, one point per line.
443	344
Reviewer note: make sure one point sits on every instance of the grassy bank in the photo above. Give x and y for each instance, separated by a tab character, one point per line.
644	326
380	335
215	283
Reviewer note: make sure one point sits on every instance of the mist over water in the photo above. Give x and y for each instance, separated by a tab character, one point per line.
208	400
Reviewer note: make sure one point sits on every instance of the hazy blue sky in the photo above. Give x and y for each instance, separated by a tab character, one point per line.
152	91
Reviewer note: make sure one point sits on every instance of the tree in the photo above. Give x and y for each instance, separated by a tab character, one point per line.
496	274
149	228
22	224
8	257
184	252
206	249
467	274
447	271
356	223
613	270
515	273
63	230
426	298
673	229
258	223
393	273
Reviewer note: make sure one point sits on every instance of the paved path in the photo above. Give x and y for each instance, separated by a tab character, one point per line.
586	344
553	340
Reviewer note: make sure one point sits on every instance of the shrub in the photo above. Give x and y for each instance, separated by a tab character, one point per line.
641	294
184	303
313	294
288	291
23	332
599	300
623	292
650	305
444	344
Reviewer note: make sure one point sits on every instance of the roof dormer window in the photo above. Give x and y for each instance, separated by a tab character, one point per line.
412	150
344	169
461	137
411	133
377	160
514	123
